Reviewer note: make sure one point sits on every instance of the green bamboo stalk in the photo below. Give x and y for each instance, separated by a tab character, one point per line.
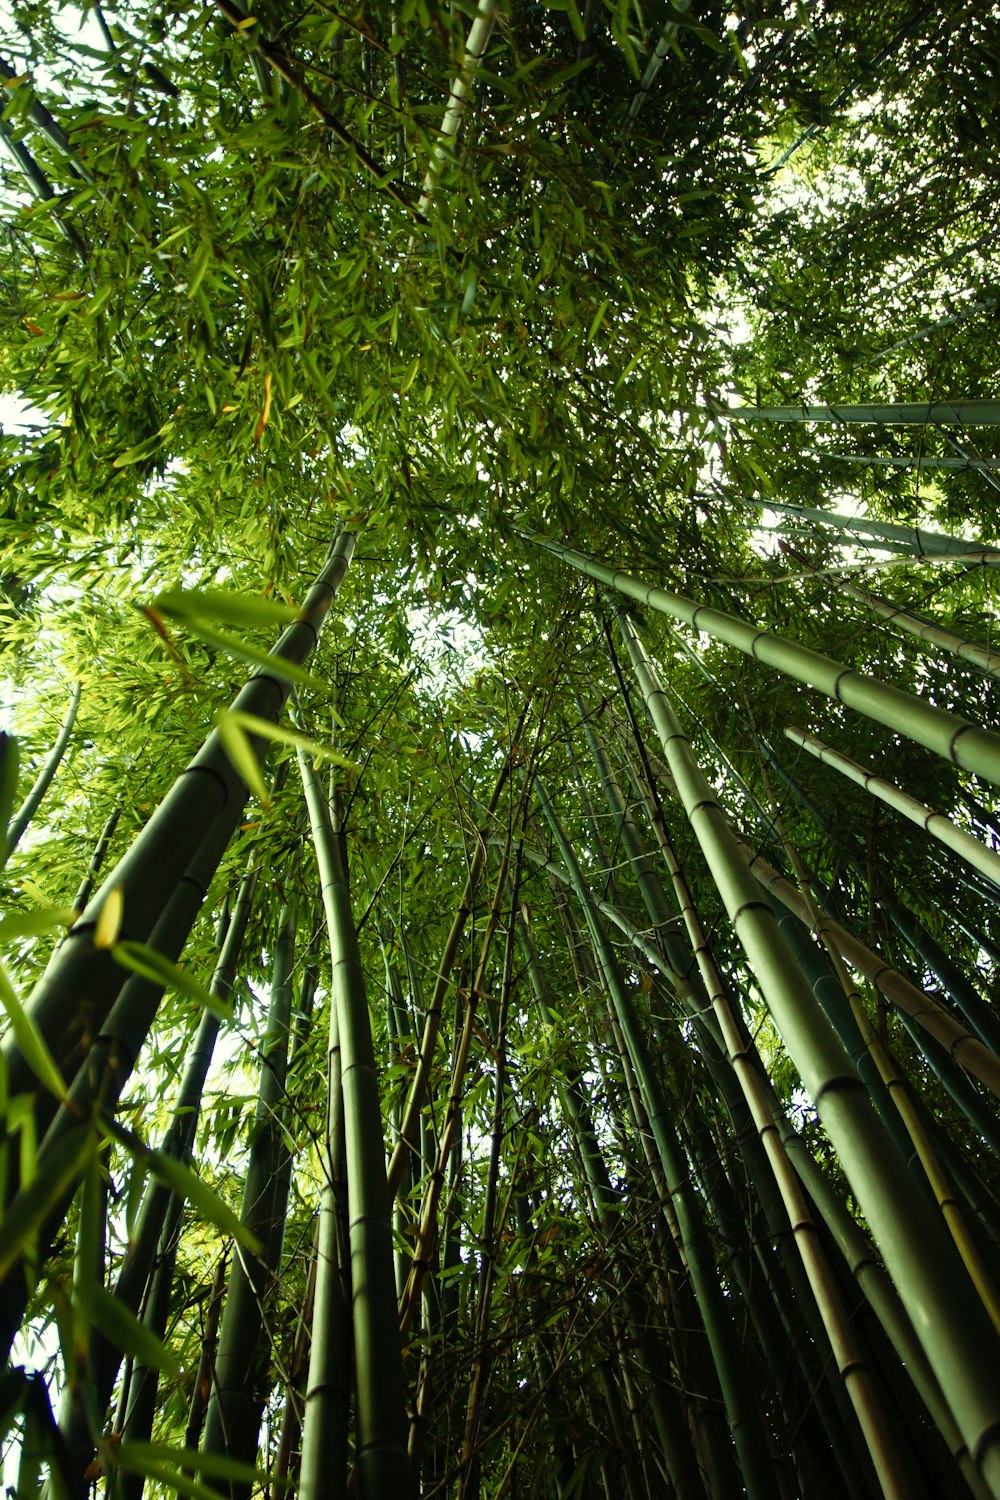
947	1315
410	1123
887	535
901	414
748	1435
96	861
908	461
139	1259
954	738
232	1423
934	823
18	824
382	1465
208	789
957	1040
913	624
976	1010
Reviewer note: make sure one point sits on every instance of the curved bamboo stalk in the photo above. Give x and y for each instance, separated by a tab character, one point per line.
475	49
956	739
18	824
937	824
947	1315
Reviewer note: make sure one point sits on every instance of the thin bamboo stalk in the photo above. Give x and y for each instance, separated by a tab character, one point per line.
232	1424
382	1464
901	414
925	630
18	825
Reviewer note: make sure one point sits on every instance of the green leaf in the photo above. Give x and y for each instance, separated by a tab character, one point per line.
21	924
149	964
275	666
231	609
126	1332
30	1040
241	753
208	1205
38	1199
283	736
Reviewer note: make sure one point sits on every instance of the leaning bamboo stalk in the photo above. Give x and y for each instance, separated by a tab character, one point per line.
898	414
382	1464
209	788
947	1315
924	630
46	772
937	824
956	739
910	539
957	1039
475	49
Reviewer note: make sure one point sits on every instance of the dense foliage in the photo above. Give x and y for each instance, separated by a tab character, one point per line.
500	868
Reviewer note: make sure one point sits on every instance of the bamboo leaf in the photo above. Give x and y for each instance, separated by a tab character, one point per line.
109	918
275	666
208	1205
33	923
30	1039
241	753
283	736
149	964
218	604
126	1332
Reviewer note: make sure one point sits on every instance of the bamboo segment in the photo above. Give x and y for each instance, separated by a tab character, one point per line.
910	539
947	1315
937	824
954	738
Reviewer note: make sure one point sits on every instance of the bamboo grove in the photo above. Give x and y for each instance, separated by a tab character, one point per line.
499	828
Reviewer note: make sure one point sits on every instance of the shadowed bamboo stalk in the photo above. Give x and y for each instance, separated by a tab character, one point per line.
958	1041
232	1424
948	1316
887	536
934	823
18	825
382	1465
956	739
408	1143
208	791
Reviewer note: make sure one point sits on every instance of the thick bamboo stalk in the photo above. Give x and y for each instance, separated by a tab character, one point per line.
956	1038
382	1464
947	1315
79	986
954	738
18	824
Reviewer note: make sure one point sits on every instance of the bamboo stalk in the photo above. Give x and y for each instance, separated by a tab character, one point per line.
18	824
209	788
947	1315
382	1464
954	738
